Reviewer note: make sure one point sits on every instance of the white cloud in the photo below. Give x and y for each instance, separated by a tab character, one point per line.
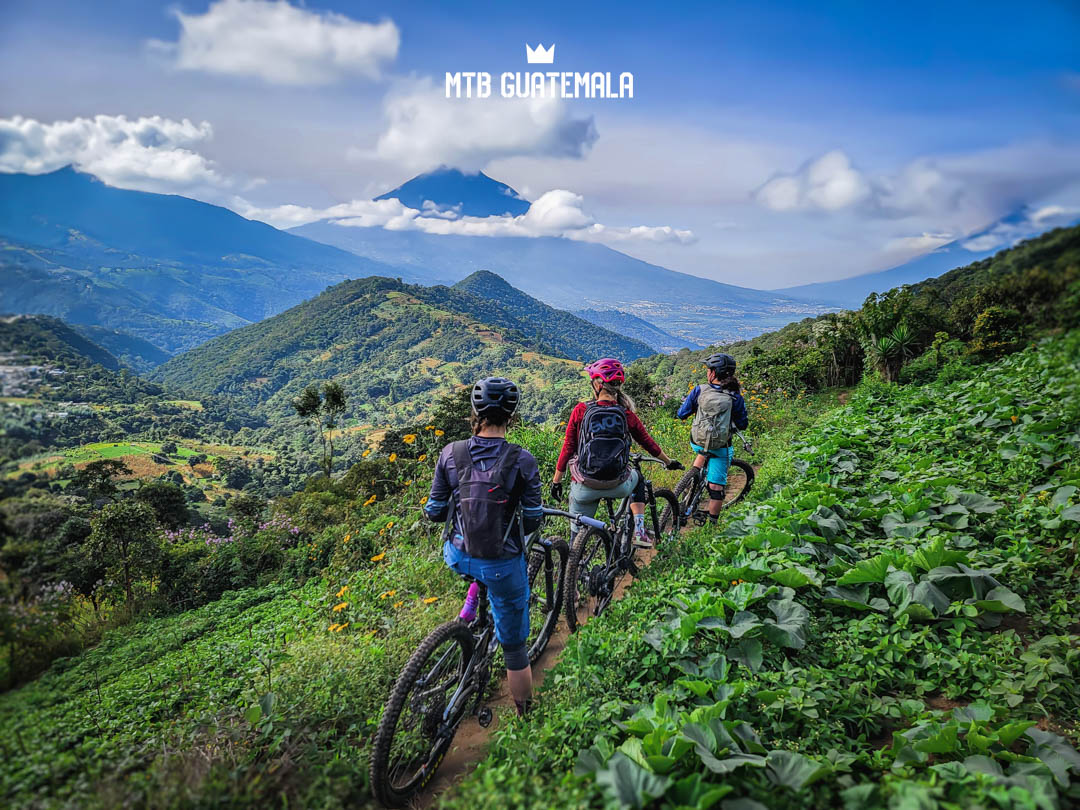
425	129
149	154
923	243
555	213
828	183
280	43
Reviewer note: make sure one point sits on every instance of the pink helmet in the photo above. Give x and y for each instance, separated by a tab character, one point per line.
607	369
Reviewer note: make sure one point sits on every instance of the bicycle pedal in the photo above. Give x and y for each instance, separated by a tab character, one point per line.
700	517
484	717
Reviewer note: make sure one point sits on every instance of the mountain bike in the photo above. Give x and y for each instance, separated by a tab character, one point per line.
601	557
447	678
692	487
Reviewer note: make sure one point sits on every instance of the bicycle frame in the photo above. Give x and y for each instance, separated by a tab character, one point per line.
700	483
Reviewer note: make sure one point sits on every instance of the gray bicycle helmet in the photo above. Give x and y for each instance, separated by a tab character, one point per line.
495	394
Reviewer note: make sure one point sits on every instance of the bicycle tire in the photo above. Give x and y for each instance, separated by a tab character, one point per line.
684	487
544	611
582	559
382	783
741	484
662	510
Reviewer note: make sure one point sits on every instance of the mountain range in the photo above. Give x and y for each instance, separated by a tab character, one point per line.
167	269
397	347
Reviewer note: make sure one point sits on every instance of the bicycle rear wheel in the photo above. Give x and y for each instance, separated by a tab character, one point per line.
587	577
411	739
545	595
740	479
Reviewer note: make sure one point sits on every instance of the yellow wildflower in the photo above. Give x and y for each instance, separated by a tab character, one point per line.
378	557
431	599
366	453
423	457
333	627
439	432
341	607
1015	418
423	500
369	501
341	593
385	594
409	439
393	457
399	603
390	525
430	427
347	538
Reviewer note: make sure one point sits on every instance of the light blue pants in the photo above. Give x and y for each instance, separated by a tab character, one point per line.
717	466
584	500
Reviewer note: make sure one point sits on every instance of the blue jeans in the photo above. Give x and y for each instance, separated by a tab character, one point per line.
717	466
507	584
584	500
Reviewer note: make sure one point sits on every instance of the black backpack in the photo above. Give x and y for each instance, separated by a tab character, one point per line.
484	500
603	443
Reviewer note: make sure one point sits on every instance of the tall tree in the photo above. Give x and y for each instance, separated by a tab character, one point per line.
97	478
125	534
324	408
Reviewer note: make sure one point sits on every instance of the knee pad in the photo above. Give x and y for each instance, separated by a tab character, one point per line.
716	492
516	657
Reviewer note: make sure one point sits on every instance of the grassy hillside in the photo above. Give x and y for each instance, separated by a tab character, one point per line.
40	339
394	347
893	627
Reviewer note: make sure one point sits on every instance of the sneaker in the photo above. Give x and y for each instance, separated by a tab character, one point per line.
642	539
472	602
523	708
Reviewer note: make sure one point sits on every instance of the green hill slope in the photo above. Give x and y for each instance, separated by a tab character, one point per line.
395	347
995	303
41	339
565	334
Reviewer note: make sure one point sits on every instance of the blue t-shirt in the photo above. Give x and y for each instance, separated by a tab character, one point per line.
525	480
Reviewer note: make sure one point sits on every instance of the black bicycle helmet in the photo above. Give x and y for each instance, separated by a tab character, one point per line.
495	394
721	363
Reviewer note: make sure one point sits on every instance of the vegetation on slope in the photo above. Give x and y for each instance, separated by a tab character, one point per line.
893	627
989	307
394	347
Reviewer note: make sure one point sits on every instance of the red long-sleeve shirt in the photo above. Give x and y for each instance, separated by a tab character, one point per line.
573	429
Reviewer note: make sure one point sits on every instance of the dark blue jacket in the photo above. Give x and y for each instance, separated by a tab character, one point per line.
739	418
484	452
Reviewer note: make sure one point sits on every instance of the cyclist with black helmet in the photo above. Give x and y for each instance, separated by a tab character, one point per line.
716	408
487	490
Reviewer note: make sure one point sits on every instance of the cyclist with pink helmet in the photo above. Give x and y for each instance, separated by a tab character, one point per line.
596	449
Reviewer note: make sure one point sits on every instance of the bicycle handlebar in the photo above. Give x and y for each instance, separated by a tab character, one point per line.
576	518
638	457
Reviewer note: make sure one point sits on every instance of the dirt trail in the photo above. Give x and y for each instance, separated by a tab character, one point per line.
471	742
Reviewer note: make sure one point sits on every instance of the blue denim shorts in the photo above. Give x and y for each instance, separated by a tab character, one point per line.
719	461
507	583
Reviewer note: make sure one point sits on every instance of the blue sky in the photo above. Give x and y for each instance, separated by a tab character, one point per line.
768	144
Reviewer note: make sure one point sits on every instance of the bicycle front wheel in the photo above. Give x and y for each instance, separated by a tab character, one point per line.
664	516
547	573
684	494
587	573
412	738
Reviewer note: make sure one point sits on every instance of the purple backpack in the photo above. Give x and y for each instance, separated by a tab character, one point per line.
483	497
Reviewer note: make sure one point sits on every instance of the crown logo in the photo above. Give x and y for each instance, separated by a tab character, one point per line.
538	55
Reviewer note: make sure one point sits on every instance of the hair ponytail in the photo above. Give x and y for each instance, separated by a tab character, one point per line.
621	397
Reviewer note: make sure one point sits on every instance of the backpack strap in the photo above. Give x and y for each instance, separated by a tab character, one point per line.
509	461
462	461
